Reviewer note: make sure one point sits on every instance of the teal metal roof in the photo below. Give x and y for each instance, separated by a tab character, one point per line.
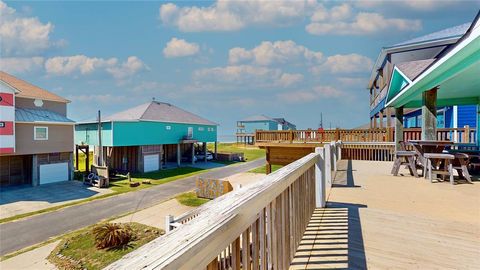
39	115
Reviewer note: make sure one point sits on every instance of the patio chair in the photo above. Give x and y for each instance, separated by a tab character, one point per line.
434	160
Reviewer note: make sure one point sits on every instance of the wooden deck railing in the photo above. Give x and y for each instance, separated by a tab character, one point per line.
258	226
374	151
458	135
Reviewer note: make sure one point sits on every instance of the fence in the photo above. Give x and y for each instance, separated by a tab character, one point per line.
375	151
457	135
256	227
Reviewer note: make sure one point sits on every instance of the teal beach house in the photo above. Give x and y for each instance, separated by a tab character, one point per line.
148	137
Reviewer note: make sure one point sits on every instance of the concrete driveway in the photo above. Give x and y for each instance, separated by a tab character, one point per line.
24	199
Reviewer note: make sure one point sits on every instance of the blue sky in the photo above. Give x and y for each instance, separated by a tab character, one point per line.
222	60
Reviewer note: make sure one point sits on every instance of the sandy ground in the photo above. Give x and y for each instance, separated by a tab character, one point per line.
31	260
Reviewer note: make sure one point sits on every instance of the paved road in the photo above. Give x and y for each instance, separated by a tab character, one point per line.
26	232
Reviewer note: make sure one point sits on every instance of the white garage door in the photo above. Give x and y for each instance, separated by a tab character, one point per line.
151	163
51	173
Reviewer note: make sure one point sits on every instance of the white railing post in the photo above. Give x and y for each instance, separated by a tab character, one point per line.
339	147
328	164
320	194
334	156
168	220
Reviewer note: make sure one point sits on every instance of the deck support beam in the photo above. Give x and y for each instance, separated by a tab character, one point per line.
398	127
193	153
268	165
429	114
204	151
216	149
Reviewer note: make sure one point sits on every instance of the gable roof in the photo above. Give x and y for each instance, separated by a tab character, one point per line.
451	32
28	90
413	68
39	115
158	112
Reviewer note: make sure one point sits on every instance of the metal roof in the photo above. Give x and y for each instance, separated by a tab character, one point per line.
259	117
39	115
158	112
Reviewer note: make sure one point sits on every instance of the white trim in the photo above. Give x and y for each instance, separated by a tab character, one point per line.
473	35
35	133
146	120
47	123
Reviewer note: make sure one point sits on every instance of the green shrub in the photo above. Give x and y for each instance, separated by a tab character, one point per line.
112	235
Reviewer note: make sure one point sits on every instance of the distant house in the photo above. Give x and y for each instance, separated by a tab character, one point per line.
36	137
246	128
146	137
402	63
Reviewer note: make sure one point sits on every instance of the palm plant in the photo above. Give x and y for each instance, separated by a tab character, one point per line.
112	235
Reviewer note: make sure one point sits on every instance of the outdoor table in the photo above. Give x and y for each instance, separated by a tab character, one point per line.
428	146
464	160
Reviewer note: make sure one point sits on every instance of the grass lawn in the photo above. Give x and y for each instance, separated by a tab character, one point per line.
156	178
77	250
250	152
190	199
263	170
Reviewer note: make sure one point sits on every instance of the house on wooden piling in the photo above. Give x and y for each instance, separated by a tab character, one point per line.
36	137
148	137
246	128
401	64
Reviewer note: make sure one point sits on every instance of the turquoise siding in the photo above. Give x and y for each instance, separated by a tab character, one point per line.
142	133
88	134
250	127
148	133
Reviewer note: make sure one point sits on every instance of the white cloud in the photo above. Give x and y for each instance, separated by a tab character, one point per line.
344	63
288	79
316	93
245	75
22	35
234	15
18	65
128	68
268	53
340	20
422	5
180	48
66	65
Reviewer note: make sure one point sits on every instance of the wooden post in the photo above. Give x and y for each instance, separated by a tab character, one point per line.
205	151
216	148
388	125
429	114
100	146
35	171
320	191
380	117
398	127
375	121
268	165
76	157
193	153
160	159
467	134
179	157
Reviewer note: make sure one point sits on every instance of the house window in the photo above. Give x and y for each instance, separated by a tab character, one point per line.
201	129
40	133
168	127
2	124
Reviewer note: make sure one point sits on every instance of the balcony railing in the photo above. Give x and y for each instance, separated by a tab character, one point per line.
458	135
256	227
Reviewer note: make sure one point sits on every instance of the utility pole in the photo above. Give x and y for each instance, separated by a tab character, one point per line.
100	147
321	120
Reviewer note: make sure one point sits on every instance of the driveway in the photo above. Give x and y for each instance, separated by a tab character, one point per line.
32	230
19	200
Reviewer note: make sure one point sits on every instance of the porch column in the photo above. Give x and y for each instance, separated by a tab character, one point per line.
179	155
398	127
160	159
375	121
429	114
205	151
193	153
76	157
380	117
389	123
35	173
216	146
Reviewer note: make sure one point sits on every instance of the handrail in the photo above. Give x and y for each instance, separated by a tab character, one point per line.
261	215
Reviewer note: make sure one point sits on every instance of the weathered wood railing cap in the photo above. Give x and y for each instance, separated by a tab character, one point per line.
196	243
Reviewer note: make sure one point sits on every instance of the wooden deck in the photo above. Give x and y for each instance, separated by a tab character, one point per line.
378	221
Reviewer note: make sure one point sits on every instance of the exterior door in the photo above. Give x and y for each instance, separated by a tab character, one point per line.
151	163
52	173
